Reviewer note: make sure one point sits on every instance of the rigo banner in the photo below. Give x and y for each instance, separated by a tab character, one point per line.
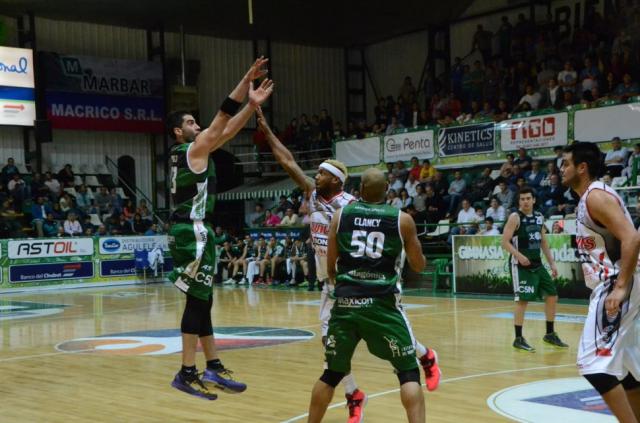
534	132
43	248
466	139
482	266
405	146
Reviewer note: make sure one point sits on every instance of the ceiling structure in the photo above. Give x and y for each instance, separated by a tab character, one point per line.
334	23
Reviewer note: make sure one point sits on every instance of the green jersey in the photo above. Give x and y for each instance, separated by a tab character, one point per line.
192	194
369	250
528	237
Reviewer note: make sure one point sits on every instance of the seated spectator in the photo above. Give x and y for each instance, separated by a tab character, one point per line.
589	76
393	200
616	158
400	171
551	96
121	226
58	214
71	226
144	211
225	261
395	183
103	201
481	186
552	197
427	172
435	206
271	219
535	176
139	225
10	220
153	230
523	160
457	188
405	199
39	212
66	203
283	205
568	78
551	170
38	188
102	231
532	97
489	228
394	125
496	212
87	227
557	227
466	221
116	204
487	111
502	112
256	219
289	219
298	257
440	184
129	210
505	195
8	171
50	226
415	168
411	184
83	199
628	171
18	190
627	88
66	176
507	167
568	98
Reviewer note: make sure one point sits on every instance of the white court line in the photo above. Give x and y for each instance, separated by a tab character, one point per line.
454	379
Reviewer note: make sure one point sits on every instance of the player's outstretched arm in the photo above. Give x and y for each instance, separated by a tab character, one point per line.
605	209
332	246
213	137
412	246
284	157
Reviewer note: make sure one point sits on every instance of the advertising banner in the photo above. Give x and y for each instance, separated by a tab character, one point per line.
50	271
279	233
466	139
405	146
42	248
603	123
534	132
481	265
111	268
128	244
359	152
17	94
103	94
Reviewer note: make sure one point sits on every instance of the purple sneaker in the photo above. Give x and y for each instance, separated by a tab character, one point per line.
222	379
194	387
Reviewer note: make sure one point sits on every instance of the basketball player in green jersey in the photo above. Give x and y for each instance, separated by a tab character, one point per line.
366	241
191	239
523	237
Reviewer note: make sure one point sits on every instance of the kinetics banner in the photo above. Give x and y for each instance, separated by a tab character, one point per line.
103	94
466	139
534	132
405	146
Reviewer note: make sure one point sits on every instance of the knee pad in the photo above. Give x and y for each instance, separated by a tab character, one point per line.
630	383
602	382
409	376
332	378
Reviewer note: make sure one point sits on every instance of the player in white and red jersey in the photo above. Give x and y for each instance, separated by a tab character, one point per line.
609	354
324	197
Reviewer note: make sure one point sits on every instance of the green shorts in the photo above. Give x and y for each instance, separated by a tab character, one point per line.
194	255
532	284
380	321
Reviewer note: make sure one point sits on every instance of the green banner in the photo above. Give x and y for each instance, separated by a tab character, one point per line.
481	266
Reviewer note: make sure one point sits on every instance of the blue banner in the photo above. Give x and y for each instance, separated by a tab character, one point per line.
50	271
467	139
112	268
279	233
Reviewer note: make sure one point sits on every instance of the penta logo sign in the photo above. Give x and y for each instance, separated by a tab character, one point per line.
551	400
392	145
168	341
50	248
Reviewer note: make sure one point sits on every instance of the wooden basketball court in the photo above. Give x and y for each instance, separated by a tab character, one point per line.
52	373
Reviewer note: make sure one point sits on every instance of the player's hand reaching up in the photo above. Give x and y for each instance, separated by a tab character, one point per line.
259	95
257	70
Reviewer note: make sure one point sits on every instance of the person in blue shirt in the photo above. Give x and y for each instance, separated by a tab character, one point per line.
39	211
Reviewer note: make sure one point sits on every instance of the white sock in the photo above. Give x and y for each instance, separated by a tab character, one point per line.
420	349
349	383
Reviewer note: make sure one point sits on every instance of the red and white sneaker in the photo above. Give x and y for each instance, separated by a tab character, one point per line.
432	373
355	403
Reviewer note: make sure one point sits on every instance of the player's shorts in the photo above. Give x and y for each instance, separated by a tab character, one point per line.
380	322
531	284
194	257
611	346
326	304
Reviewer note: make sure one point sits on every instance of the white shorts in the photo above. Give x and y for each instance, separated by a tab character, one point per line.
321	268
612	348
326	304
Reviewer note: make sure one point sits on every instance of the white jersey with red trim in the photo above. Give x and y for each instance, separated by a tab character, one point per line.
600	251
321	212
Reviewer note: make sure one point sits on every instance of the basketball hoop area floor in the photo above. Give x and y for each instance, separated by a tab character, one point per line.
109	355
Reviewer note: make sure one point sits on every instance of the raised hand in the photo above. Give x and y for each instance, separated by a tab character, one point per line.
262	122
256	70
261	94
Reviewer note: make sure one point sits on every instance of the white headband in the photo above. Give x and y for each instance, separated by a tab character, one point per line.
334	171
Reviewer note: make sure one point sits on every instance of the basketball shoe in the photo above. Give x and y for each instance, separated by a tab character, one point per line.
193	387
355	403
553	339
521	344
222	379
432	372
